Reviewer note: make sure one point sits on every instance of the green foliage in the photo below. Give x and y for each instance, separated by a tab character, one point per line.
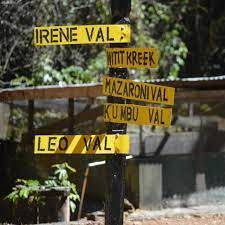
97	66
17	123
28	190
61	178
45	74
103	10
19	57
188	34
25	190
156	25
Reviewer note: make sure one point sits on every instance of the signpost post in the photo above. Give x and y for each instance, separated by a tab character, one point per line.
115	164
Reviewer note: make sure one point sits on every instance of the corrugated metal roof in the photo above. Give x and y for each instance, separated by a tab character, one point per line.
4	85
191	79
212	83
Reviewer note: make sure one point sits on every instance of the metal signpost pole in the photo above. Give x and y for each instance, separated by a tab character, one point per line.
115	164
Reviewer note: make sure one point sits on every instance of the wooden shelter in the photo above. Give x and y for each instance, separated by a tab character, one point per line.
188	90
156	147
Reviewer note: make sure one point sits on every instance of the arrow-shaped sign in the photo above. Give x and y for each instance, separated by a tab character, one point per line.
85	34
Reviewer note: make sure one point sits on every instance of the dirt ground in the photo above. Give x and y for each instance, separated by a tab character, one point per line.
175	220
184	220
195	215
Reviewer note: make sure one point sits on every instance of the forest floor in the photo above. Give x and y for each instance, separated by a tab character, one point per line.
196	219
183	220
204	208
197	215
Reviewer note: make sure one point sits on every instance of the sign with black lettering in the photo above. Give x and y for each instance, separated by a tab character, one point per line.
140	91
139	115
83	34
81	144
132	57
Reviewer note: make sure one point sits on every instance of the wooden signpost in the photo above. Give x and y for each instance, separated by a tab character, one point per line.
81	34
117	111
81	144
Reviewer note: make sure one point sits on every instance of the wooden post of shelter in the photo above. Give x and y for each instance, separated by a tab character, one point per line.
115	164
31	118
70	115
83	192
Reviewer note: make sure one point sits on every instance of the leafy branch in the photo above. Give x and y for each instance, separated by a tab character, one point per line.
30	190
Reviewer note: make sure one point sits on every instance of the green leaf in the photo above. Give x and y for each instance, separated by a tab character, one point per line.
74	197
70	168
50	183
33	183
72	206
62	174
21	181
13	196
24	193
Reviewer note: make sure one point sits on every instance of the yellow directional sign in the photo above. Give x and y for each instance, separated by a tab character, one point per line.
140	91
81	144
135	114
83	34
132	57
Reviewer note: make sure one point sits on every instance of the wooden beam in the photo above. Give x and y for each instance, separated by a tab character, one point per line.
70	115
95	90
31	118
199	96
51	92
58	126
